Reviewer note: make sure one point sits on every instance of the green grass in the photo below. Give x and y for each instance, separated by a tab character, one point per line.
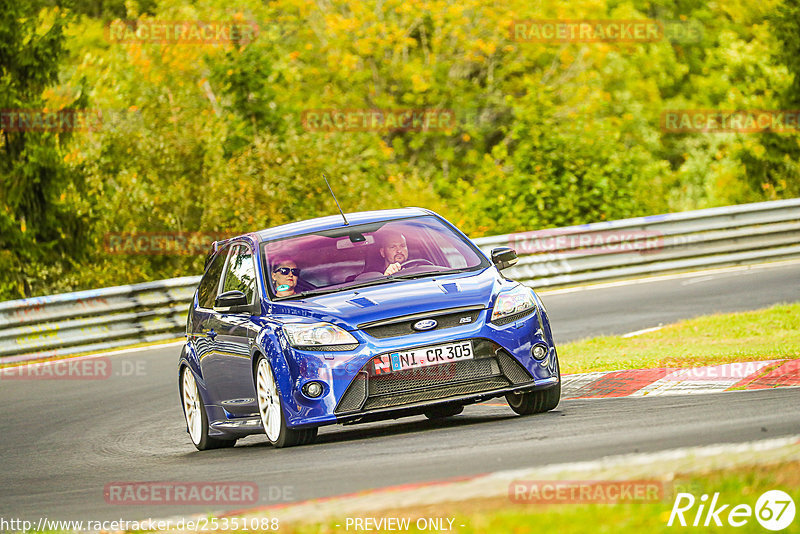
739	486
772	333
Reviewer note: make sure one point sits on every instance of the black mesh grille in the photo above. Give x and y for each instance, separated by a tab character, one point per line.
511	318
442	392
433	376
355	395
492	368
512	369
403	326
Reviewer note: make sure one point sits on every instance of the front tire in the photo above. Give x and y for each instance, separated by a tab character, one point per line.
196	418
271	410
540	401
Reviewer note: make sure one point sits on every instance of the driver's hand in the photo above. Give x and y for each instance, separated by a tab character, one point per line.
391	269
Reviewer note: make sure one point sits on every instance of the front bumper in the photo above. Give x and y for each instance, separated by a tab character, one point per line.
502	364
492	368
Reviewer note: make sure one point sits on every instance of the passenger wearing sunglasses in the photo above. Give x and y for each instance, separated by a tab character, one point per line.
284	276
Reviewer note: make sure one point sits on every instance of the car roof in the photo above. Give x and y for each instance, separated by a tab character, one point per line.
335	221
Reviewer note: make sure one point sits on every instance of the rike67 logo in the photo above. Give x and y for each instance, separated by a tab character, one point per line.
774	510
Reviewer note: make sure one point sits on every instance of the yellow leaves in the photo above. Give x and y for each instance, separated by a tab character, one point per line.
75	155
419	83
339	24
364	47
349	62
404	9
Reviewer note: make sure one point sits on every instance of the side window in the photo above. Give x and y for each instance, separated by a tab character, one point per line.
207	290
241	273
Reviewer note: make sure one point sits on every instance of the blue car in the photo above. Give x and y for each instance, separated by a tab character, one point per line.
380	315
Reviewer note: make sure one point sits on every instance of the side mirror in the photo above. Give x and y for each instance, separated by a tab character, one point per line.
232	301
504	257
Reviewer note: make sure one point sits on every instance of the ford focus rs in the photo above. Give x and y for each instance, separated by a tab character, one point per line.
381	315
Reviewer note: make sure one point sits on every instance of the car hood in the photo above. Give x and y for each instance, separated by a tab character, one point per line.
349	309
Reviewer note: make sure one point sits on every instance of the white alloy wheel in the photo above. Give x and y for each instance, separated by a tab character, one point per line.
196	417
269	404
191	407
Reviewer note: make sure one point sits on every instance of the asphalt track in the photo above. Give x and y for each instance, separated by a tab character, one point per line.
63	441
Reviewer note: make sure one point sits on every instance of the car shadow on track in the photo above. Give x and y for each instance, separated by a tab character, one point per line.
476	415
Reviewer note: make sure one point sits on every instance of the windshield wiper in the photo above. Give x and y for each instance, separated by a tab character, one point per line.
315	292
378	281
426	273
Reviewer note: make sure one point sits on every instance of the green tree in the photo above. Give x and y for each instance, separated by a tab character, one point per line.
40	234
775	171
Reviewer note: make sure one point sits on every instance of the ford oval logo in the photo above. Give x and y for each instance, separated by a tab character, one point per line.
425	324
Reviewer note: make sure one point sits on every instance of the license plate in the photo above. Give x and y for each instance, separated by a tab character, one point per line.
424	357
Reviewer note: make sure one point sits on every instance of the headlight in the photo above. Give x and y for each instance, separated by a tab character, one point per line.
317	334
511	302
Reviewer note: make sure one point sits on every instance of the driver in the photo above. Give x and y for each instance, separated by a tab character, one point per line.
284	276
393	249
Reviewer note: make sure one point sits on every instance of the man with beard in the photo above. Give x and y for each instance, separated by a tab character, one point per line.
393	249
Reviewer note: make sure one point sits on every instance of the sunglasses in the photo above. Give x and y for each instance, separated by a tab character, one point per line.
286	270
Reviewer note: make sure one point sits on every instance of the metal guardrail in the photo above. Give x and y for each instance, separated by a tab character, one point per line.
60	325
70	323
658	244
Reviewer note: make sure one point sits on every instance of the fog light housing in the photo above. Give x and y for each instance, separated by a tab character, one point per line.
313	389
539	352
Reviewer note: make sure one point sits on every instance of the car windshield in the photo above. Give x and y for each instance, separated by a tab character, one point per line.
361	255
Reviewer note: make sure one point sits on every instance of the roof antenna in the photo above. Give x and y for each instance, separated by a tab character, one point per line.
334	199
